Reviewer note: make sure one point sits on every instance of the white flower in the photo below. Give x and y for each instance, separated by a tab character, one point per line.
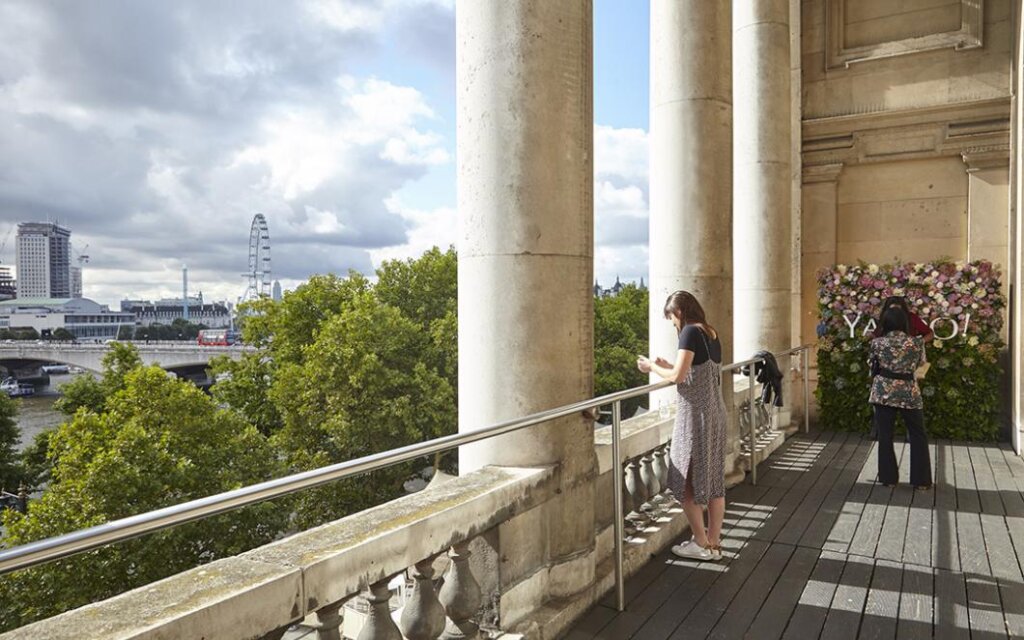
937	344
897	291
935	274
872	269
973	341
974	305
982	294
841	269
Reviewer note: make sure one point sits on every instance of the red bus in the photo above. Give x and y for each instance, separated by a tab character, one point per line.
218	337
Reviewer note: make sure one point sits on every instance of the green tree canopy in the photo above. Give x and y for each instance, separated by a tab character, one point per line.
11	473
620	334
158	442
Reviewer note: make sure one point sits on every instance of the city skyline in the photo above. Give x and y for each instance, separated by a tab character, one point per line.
334	119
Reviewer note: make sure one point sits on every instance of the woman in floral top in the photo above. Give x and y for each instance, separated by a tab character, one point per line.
894	391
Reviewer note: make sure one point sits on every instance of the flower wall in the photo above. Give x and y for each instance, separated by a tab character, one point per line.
963	305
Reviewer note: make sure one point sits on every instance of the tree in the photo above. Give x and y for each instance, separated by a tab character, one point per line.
158	442
62	334
11	474
362	388
125	332
620	334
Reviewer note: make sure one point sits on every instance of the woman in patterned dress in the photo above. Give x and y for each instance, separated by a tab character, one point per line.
894	357
697	455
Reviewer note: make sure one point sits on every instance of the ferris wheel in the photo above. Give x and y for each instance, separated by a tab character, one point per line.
259	260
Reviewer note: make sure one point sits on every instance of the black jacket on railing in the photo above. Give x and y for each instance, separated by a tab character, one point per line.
768	374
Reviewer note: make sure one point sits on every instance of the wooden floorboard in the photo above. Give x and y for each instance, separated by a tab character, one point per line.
820	550
916	603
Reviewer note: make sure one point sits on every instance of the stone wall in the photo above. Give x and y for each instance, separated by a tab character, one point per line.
905	135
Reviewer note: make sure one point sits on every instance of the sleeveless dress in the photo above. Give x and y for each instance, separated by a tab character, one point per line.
698	438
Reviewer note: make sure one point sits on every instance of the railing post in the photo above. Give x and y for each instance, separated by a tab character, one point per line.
806	358
661	471
651	484
618	521
752	421
460	596
379	625
423	616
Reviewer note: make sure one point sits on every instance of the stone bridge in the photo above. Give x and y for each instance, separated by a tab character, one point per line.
173	356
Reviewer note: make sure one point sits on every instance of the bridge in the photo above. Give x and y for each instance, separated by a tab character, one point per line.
173	356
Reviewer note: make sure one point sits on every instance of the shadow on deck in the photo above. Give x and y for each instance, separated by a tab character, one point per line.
819	549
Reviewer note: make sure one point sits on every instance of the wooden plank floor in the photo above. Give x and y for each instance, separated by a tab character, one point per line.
819	549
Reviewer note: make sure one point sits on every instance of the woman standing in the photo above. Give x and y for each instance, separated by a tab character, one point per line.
697	456
894	357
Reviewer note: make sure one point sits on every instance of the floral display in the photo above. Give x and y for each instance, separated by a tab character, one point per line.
963	304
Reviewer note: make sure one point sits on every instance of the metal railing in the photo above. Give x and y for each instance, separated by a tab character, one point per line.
59	547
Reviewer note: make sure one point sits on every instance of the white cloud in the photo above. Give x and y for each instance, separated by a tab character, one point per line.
427	229
620	204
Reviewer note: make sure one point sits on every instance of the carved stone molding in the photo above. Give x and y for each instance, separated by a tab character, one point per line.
840	56
991	158
946	131
816	173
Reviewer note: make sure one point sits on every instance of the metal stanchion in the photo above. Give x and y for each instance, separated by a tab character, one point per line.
620	516
806	357
753	425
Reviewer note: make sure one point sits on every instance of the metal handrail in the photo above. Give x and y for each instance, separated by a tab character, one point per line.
58	547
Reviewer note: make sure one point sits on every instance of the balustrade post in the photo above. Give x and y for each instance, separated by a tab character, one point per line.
637	492
651	484
661	467
379	625
460	596
423	616
329	620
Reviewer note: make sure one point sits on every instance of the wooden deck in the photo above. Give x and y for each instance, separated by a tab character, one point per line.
819	549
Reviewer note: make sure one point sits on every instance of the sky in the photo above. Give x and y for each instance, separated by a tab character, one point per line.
156	130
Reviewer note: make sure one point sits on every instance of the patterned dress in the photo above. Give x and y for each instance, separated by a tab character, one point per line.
898	353
698	438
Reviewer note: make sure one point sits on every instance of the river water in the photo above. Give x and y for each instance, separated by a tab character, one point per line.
36	413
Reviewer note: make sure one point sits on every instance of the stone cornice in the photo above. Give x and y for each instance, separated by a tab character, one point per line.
943	131
816	173
990	158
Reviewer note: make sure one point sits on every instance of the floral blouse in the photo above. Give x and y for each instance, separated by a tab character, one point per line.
899	353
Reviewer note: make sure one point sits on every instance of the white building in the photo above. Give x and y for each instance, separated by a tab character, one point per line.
213	315
84	318
76	282
43	253
8	283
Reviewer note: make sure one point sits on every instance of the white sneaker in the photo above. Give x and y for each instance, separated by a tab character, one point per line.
692	551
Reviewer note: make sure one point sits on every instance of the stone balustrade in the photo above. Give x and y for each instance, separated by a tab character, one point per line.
335	578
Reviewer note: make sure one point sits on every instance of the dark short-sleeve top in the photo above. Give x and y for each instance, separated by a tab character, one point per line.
693	339
900	353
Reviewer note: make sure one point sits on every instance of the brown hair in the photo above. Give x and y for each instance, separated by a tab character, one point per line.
684	305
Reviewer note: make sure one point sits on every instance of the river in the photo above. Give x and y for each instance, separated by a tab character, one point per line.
36	414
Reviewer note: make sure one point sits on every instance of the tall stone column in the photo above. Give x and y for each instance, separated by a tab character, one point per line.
761	181
525	198
691	166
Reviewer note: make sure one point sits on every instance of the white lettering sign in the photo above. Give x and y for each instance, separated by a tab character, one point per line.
954	328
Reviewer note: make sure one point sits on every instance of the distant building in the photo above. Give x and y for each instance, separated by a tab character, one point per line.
601	292
215	315
76	282
43	253
276	291
8	283
86	319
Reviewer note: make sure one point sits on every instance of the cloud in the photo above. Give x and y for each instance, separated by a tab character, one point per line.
156	130
621	199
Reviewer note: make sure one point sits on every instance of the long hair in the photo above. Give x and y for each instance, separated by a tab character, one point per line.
684	305
894	319
896	301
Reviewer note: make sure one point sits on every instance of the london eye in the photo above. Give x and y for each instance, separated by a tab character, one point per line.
258	275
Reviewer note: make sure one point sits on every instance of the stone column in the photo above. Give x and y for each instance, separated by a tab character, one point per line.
1017	240
525	199
691	166
761	180
819	206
